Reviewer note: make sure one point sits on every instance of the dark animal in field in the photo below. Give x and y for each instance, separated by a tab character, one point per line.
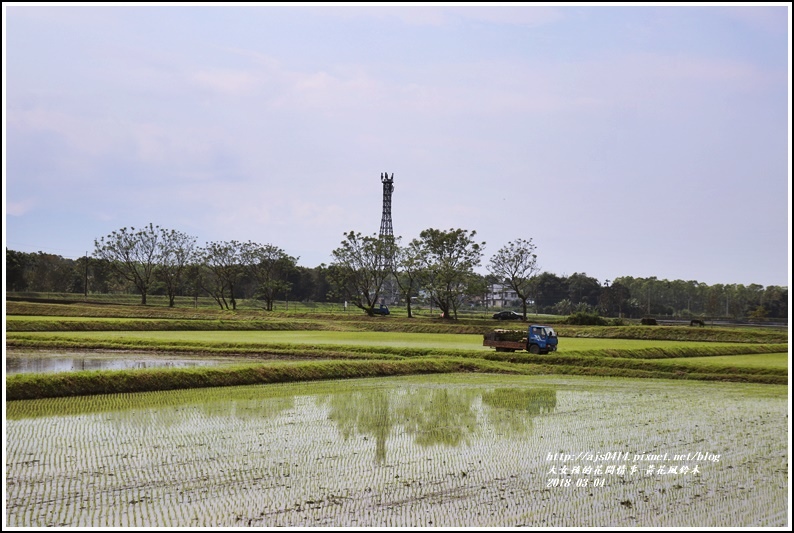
648	322
697	322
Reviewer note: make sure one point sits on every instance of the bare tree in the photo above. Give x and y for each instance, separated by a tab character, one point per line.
516	264
177	251
222	269
133	255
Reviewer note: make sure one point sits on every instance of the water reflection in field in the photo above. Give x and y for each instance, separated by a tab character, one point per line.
417	451
18	363
434	416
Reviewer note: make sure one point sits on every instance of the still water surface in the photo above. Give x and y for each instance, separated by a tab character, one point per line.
415	451
23	362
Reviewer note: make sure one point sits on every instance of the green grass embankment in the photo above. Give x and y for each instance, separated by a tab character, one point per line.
677	333
667	366
360	363
47	324
31	317
366	324
336	345
347	346
32	386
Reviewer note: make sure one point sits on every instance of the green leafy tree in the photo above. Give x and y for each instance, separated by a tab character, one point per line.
476	289
775	301
408	272
583	289
15	270
516	264
269	266
759	313
613	299
448	259
360	268
563	307
549	289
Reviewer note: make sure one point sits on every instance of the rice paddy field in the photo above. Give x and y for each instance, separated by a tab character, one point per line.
451	450
435	431
447	341
18	362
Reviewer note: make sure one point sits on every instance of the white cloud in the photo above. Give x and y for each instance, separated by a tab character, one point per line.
227	81
92	136
20	207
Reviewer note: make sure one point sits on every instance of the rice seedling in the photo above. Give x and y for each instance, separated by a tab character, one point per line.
449	450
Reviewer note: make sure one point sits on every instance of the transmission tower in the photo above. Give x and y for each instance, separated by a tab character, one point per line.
386	229
389	292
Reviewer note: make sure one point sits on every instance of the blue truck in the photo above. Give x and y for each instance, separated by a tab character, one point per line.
538	340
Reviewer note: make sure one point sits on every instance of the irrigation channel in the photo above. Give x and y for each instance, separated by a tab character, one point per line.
443	450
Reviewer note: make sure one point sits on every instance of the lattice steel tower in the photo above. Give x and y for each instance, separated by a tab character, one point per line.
389	291
385	221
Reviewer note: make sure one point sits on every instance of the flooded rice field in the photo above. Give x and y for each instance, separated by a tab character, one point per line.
64	361
446	450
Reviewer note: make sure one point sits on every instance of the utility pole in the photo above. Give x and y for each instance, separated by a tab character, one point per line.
85	278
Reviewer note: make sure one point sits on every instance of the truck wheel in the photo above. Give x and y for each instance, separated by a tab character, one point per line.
534	349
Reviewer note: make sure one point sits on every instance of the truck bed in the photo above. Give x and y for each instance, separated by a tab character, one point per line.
505	346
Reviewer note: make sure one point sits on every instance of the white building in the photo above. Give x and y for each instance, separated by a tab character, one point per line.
500	295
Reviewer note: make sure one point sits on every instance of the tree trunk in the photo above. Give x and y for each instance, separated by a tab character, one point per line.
444	308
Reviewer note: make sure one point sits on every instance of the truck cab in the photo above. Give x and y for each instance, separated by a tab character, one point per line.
541	339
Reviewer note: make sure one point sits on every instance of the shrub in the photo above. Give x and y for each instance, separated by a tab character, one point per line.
585	319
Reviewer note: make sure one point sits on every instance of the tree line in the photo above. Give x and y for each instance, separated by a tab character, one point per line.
437	268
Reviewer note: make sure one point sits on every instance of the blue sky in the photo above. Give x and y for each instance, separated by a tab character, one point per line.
624	141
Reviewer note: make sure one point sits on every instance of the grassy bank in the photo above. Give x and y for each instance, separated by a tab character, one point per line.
303	346
22	324
32	386
32	317
397	344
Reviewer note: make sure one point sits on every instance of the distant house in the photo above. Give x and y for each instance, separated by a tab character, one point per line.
497	295
500	295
